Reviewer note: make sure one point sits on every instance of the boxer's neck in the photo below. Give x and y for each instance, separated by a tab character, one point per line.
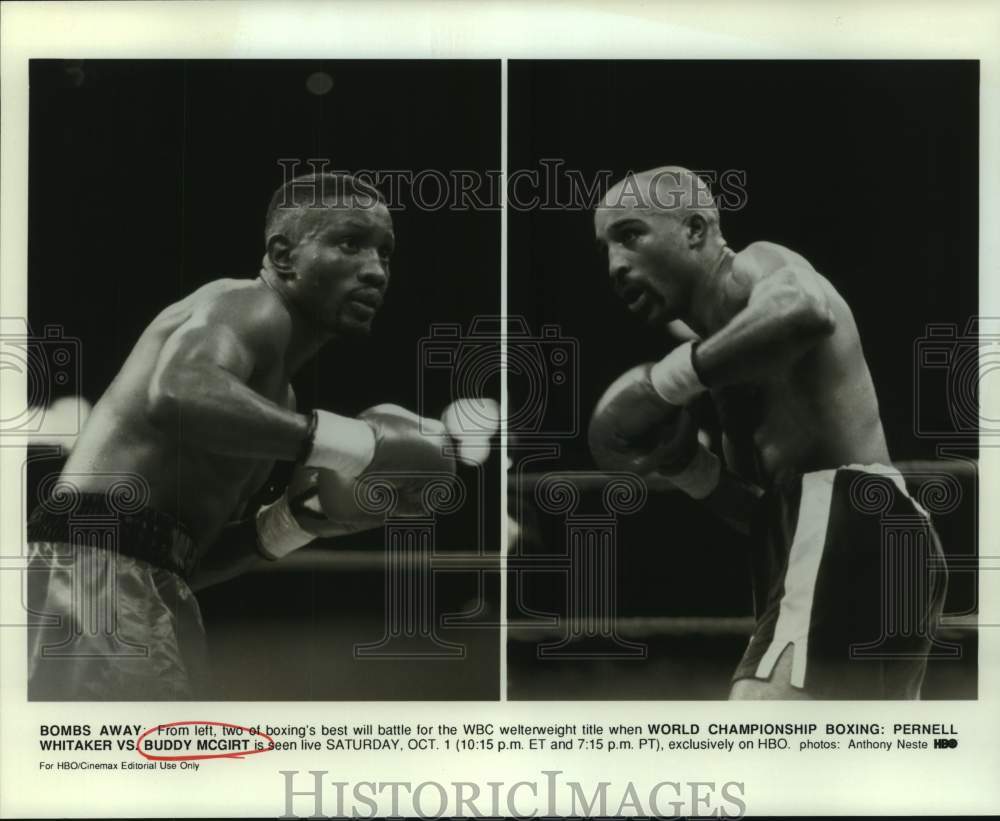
308	336
706	290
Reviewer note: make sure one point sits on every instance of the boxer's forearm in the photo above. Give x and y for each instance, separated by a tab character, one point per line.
755	345
779	324
215	412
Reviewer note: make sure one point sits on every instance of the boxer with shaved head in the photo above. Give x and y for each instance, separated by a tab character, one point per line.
195	420
778	350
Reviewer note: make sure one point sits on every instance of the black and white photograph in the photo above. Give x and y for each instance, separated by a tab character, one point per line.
766	272
237	267
499	409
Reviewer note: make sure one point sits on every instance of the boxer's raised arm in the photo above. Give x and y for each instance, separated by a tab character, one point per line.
199	384
787	312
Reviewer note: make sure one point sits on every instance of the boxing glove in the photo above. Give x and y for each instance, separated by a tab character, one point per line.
470	424
635	428
387	439
316	503
381	438
406	442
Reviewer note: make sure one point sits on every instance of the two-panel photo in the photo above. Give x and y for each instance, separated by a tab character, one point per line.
470	380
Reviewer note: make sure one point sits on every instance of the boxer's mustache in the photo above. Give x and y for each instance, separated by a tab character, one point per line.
367	296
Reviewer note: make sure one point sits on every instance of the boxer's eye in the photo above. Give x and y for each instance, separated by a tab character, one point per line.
350	244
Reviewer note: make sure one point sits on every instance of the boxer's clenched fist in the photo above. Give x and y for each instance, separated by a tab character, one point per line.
325	505
316	503
322	503
402	448
406	442
635	428
410	450
639	423
424	447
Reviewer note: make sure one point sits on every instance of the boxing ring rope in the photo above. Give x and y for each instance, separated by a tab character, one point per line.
320	557
689	626
405	555
588	558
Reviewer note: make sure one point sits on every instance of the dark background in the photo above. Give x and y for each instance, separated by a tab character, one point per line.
869	169
150	178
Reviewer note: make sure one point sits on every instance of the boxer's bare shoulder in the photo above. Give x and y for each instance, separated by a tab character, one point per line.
768	270
770	256
191	363
794	383
792	270
247	303
239	304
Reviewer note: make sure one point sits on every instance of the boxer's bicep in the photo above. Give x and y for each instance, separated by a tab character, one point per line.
793	295
786	313
219	344
203	375
198	360
233	334
209	347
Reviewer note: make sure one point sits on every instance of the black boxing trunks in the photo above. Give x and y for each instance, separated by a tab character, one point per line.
849	572
113	617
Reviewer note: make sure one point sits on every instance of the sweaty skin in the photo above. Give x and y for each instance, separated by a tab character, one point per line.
201	456
780	350
203	407
791	384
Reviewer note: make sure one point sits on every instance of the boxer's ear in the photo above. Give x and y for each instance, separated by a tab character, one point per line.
279	254
697	230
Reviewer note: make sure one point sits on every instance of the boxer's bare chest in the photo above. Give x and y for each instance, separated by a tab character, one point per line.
771	427
249	474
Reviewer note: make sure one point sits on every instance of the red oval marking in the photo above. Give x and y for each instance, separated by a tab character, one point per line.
233	754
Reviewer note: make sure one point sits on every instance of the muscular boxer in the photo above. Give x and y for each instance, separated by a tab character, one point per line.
778	350
189	429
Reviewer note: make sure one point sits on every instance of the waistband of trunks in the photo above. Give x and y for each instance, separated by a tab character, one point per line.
890	472
146	534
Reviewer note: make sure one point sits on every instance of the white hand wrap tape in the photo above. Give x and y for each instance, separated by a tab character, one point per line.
674	377
342	444
278	534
